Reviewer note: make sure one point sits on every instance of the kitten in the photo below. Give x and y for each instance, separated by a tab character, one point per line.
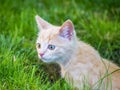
79	61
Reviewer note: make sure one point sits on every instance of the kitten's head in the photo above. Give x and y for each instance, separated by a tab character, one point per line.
55	43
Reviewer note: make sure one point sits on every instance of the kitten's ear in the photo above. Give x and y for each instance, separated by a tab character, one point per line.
67	30
42	24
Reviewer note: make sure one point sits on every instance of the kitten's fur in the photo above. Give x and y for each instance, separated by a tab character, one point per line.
78	61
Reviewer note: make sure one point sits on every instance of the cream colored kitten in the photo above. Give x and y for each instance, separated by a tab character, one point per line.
79	61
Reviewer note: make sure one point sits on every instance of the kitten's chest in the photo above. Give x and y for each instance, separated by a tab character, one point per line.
77	73
76	69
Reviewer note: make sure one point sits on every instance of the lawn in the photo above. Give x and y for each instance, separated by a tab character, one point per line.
97	22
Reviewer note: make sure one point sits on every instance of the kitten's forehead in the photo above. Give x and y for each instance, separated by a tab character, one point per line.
48	34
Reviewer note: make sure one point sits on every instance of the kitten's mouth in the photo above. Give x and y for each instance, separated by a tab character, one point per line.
45	60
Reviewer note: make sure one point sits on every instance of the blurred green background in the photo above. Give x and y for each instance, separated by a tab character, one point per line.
97	22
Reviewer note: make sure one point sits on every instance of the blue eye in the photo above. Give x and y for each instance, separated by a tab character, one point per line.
51	47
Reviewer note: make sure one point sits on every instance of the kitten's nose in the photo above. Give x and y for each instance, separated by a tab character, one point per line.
41	54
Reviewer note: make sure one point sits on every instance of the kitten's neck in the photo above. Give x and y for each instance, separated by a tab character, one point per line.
75	57
66	61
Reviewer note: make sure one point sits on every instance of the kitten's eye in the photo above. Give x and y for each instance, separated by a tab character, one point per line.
51	47
38	45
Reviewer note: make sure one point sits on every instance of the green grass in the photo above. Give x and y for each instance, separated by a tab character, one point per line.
97	22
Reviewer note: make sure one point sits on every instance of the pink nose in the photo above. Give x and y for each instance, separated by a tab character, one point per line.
41	54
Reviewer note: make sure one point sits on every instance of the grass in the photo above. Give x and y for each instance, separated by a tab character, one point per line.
97	22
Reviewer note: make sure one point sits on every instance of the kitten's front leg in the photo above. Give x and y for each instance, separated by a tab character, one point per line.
77	82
